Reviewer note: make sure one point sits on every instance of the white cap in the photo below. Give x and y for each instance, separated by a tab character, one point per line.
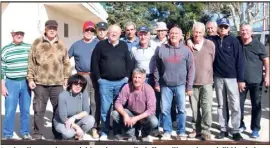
161	26
17	29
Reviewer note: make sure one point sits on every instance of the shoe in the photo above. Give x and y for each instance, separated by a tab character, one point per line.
222	135
206	137
255	134
147	139
237	137
166	136
119	137
182	137
8	138
103	137
37	137
242	129
132	139
94	133
193	134
27	137
156	133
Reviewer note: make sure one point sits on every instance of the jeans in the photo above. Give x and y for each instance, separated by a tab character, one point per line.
201	104
227	94
86	123
108	92
146	125
167	93
42	94
255	91
18	91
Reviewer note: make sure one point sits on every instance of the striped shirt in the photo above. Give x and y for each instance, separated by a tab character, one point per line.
14	60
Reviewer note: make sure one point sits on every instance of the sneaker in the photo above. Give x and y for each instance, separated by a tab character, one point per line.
132	139
255	134
182	137
94	133
147	139
222	135
7	138
156	133
242	129
37	137
27	137
206	137
237	137
193	134
103	137
166	136
119	137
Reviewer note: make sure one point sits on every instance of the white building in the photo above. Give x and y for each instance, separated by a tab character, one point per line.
32	16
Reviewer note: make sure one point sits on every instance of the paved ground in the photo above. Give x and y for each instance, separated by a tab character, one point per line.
264	133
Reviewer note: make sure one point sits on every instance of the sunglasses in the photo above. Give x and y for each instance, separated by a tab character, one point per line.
78	83
224	26
87	30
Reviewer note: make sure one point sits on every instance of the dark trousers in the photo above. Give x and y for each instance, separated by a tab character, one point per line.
42	94
255	91
92	89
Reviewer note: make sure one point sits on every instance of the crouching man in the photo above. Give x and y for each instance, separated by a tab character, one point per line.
135	108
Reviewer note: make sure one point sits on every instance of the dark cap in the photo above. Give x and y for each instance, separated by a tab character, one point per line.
50	23
143	29
102	25
223	21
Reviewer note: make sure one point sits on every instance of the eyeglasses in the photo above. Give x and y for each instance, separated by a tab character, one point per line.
20	33
78	83
87	30
224	26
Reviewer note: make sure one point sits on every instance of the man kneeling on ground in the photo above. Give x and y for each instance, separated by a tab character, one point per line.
135	108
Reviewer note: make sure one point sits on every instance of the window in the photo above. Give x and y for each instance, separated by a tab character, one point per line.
66	30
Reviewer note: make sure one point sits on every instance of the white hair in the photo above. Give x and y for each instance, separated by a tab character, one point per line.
212	22
199	25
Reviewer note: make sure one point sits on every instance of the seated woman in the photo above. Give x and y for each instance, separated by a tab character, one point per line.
72	117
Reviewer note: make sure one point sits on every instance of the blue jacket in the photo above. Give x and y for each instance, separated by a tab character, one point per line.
229	58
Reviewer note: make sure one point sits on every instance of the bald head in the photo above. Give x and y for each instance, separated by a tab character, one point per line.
114	33
175	35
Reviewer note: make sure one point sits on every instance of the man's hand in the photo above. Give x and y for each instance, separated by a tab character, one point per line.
69	122
79	133
157	88
190	45
133	121
32	85
4	90
126	120
189	92
241	86
266	81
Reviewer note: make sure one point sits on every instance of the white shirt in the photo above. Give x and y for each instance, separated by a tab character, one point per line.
199	45
145	58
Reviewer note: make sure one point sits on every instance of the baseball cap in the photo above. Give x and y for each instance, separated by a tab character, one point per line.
52	23
102	25
223	21
161	26
17	29
88	24
143	29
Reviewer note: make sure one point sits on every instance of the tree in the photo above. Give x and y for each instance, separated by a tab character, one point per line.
250	14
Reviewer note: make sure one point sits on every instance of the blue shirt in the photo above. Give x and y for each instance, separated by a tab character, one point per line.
130	44
82	52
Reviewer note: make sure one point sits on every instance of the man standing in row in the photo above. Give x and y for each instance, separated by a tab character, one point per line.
255	59
82	51
14	59
174	75
111	63
48	71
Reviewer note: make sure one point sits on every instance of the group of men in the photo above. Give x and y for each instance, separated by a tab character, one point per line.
141	79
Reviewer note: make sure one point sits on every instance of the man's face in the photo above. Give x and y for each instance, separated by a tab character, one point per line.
17	37
211	29
130	31
223	29
101	33
175	35
245	32
144	37
114	33
51	31
138	79
198	34
88	33
161	34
